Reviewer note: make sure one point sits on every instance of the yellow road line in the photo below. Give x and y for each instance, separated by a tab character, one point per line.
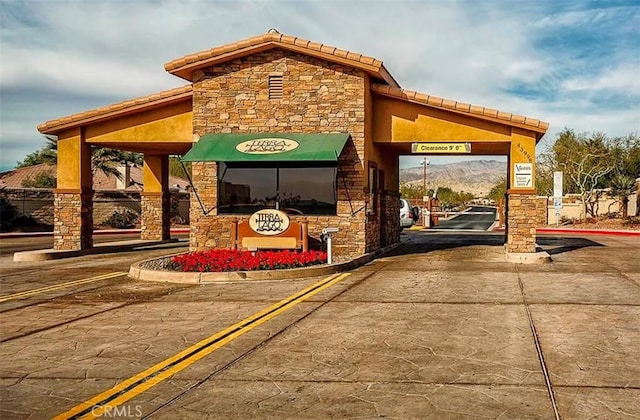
28	293
141	382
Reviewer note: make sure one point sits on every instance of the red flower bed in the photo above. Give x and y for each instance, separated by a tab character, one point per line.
228	260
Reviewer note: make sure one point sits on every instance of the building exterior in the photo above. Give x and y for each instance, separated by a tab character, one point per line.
279	122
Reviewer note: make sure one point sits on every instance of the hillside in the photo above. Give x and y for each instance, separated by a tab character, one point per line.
474	176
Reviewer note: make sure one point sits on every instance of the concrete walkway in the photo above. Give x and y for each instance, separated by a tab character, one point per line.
442	328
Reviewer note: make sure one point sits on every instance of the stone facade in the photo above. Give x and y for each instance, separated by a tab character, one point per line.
318	96
73	221
521	222
155	216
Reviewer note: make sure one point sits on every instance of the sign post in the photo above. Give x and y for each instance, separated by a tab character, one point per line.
557	193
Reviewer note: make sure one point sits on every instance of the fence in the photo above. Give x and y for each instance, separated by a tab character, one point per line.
38	203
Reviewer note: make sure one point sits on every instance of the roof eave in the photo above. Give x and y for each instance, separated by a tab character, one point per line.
75	120
535	125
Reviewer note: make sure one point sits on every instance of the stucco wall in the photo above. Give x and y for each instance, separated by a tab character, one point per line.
318	96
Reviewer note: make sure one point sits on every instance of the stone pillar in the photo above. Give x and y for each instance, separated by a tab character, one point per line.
155	209
73	197
155	200
72	219
521	222
522	215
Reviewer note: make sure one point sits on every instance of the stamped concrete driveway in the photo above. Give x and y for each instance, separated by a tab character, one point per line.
441	328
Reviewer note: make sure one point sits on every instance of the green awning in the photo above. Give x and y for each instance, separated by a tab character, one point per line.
271	147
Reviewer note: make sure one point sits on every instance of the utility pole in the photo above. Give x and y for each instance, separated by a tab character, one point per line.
424	164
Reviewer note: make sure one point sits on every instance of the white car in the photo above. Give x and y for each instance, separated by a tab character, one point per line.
407	215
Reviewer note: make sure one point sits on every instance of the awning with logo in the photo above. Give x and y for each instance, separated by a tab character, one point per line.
272	147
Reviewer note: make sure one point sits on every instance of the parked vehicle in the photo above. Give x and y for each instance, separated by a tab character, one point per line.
407	216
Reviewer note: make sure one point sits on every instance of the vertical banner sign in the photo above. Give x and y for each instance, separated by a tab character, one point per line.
557	190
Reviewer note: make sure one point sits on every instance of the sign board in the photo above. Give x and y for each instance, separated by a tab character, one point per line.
557	202
441	148
523	175
269	222
557	184
267	146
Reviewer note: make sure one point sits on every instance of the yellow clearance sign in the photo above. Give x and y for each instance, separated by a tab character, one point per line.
441	148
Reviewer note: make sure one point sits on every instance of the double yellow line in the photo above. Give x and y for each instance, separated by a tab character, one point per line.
124	391
28	293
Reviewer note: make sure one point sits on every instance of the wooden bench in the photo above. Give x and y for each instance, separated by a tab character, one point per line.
295	237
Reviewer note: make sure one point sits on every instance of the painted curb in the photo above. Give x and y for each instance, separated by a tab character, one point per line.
590	231
105	248
9	235
137	272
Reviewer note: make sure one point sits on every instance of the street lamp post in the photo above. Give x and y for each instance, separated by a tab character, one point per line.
424	164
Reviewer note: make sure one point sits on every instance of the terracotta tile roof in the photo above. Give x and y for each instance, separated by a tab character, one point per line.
118	109
14	178
185	66
462	108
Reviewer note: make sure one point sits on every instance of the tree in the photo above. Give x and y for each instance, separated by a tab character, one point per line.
498	191
585	161
41	180
103	159
413	191
47	154
175	168
622	187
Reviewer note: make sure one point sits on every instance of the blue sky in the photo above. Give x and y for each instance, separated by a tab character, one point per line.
571	63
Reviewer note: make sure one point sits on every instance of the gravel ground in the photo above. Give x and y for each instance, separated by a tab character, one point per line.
160	264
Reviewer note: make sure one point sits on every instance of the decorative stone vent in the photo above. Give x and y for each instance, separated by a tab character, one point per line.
275	87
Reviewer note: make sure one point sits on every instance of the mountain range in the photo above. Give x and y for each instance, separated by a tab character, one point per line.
474	176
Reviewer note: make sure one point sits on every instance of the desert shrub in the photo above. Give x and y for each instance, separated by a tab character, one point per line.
8	214
123	219
178	220
632	221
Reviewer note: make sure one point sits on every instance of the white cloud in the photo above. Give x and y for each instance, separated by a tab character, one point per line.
477	52
624	79
74	74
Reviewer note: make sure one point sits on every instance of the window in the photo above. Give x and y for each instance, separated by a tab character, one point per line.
373	187
296	189
275	87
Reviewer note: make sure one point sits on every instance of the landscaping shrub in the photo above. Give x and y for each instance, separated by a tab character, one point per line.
8	214
219	260
126	219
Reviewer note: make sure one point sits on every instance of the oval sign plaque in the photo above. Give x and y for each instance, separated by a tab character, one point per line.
267	146
269	222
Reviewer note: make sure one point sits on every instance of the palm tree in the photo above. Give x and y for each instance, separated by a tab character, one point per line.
103	159
622	186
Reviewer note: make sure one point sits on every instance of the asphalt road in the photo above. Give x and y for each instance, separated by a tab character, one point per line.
441	327
471	221
8	246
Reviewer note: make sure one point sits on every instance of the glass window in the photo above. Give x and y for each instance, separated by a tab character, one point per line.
294	189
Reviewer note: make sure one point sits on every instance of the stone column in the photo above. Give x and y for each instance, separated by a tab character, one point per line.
521	221
156	216
522	215
72	219
154	199
73	197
